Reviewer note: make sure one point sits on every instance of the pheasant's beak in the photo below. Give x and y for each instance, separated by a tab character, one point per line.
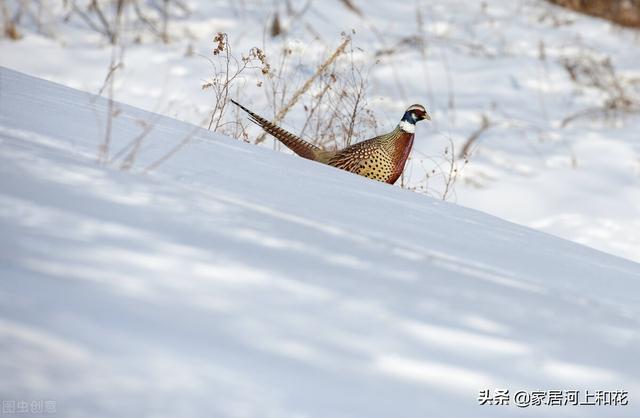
426	116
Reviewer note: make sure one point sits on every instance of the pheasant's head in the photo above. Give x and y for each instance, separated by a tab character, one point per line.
413	114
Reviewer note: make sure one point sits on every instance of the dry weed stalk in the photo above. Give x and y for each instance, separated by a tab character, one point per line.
349	4
115	63
227	70
446	169
621	95
94	16
16	13
485	124
339	113
103	150
10	23
305	87
107	16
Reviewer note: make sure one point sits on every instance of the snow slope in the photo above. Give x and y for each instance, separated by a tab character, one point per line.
235	281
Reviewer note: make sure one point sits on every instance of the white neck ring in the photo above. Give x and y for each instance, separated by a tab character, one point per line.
407	127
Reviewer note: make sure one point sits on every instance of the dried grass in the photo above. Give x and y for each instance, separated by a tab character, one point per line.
131	19
620	94
322	68
622	12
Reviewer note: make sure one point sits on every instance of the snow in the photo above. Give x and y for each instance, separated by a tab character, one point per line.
500	58
235	281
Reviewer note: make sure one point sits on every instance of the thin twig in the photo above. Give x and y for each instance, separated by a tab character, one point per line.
484	126
294	99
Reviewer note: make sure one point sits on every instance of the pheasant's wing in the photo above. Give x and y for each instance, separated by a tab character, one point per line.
353	157
293	142
372	158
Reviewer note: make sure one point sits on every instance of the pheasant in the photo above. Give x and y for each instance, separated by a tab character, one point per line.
381	158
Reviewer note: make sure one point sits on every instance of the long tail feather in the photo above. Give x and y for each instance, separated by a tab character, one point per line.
293	142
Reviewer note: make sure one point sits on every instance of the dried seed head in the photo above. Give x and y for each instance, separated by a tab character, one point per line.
221	40
257	53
